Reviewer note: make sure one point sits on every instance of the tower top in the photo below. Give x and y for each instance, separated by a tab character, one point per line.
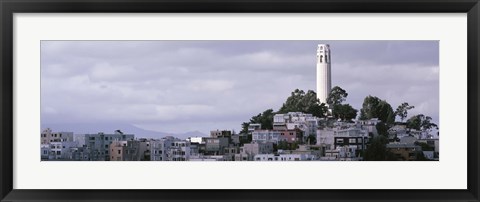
323	48
323	53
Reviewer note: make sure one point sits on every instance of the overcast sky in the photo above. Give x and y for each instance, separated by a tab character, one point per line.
180	86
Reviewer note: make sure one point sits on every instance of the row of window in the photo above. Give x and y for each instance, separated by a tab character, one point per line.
52	135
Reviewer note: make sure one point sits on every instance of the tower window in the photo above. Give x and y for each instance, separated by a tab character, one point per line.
321	58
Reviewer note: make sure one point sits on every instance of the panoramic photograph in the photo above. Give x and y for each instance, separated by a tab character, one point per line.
240	100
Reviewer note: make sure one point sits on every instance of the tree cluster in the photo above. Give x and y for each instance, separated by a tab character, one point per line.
340	111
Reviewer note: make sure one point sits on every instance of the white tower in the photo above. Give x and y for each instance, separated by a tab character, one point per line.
324	77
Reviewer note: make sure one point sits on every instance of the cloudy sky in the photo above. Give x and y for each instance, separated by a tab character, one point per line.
181	86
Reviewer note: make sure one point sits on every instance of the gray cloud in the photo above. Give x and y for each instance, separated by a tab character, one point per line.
179	86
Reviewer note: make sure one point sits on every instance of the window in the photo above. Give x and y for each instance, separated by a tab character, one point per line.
352	140
119	151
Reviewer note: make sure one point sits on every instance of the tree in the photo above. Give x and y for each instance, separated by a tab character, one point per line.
374	107
265	118
344	112
244	128
402	110
317	110
312	139
336	96
425	146
377	150
340	111
299	101
421	122
382	129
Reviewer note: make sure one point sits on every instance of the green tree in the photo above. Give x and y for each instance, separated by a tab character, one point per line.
344	112
425	146
402	110
244	128
377	150
336	96
374	107
421	122
340	111
265	118
299	101
382	129
312	139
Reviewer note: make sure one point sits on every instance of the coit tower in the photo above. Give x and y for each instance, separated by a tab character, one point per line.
324	77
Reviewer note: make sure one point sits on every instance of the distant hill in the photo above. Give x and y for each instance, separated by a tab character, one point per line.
93	128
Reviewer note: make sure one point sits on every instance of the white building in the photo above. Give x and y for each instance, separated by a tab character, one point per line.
60	150
254	126
344	153
325	136
266	136
324	77
249	150
284	157
179	151
198	140
292	120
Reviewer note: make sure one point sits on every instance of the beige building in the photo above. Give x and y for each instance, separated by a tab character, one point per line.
47	136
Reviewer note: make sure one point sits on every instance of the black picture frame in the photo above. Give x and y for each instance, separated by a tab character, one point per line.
9	7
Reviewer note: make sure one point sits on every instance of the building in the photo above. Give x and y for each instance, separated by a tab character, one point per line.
179	150
266	136
47	136
58	150
405	152
284	157
351	137
254	126
159	148
296	120
324	77
344	153
291	136
98	144
131	150
216	146
249	150
220	133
